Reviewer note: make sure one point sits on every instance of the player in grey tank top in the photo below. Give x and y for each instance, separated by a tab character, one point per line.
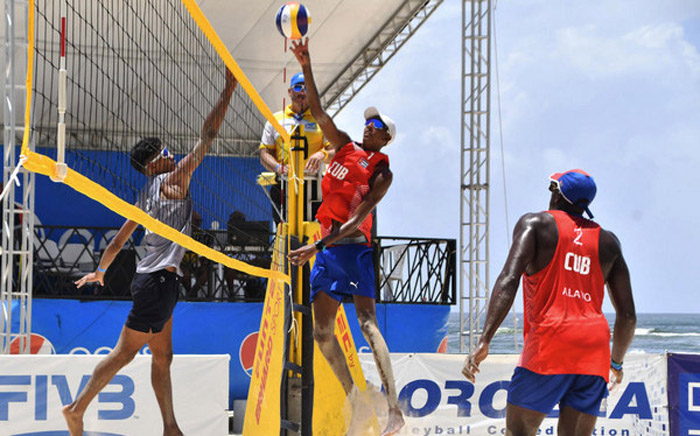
162	253
155	285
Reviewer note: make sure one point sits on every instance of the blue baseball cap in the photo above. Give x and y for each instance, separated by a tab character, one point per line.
297	78
577	187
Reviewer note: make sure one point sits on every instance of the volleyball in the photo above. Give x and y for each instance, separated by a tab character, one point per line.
293	20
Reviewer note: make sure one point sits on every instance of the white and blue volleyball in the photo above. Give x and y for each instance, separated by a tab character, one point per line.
293	20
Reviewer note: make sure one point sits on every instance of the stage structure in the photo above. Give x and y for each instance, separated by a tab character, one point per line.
475	164
387	26
17	218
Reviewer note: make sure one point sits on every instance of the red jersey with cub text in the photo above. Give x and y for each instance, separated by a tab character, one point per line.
565	329
345	184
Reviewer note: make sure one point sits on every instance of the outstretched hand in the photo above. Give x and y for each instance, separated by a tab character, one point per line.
231	80
301	255
471	363
300	48
89	278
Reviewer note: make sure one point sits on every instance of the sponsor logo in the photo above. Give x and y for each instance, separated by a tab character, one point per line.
37	345
689	403
421	397
35	391
442	348
246	353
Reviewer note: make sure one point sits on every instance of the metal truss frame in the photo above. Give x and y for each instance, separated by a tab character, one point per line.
372	58
475	136
17	217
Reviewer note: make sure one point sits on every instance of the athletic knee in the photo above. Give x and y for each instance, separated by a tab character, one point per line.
162	358
368	324
123	356
323	335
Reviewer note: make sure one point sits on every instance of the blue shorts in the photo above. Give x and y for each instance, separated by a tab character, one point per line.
542	392
343	270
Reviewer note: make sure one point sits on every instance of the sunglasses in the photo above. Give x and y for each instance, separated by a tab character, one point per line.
164	153
299	87
376	123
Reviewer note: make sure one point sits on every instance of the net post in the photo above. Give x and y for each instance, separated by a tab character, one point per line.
297	158
60	169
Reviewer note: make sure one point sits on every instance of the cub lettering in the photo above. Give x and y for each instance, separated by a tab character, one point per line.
338	171
577	263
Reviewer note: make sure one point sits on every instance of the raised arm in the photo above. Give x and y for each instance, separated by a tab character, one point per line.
522	253
113	248
336	137
176	185
382	181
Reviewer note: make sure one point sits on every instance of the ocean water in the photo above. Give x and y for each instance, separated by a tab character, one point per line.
655	333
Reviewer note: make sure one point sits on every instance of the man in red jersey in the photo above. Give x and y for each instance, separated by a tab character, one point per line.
354	183
565	261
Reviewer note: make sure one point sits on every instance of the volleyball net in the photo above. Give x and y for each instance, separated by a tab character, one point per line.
136	69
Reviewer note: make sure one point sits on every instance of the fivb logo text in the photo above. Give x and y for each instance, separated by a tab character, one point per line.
17	391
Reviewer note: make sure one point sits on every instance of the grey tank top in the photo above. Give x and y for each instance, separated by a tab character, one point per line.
160	252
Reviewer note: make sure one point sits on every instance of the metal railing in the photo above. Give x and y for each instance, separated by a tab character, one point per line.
416	270
408	270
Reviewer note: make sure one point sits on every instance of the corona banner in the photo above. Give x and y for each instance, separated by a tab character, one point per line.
436	399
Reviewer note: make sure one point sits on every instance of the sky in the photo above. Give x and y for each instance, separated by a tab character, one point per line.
612	87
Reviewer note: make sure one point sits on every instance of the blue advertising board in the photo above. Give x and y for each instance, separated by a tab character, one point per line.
684	394
92	327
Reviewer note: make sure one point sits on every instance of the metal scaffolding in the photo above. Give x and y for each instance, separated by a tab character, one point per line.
17	217
474	204
382	47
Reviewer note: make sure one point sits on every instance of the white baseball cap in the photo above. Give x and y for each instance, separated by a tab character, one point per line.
373	112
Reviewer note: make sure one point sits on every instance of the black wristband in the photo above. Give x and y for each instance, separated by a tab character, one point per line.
320	246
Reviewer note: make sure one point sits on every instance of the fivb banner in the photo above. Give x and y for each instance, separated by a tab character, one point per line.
437	400
34	388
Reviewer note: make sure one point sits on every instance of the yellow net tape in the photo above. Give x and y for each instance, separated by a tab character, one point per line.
44	165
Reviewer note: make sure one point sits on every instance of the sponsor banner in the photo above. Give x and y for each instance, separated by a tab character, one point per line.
34	388
262	415
684	393
436	399
93	327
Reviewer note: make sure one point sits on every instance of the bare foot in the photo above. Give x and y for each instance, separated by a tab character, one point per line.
395	422
172	431
74	420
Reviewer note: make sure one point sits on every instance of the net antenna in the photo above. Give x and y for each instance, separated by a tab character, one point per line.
61	167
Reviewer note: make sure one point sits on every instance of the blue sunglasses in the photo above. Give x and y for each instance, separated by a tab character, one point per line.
299	87
164	153
376	123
